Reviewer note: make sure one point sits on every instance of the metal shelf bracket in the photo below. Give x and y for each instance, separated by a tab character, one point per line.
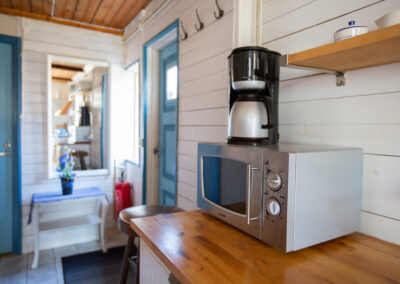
340	76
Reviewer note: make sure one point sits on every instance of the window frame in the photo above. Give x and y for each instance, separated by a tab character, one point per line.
137	110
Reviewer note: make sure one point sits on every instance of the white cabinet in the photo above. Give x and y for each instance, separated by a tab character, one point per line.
152	270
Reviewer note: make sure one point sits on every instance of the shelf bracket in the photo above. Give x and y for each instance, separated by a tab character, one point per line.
340	79
340	76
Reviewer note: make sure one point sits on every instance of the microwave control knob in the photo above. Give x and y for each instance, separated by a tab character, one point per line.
274	181
273	207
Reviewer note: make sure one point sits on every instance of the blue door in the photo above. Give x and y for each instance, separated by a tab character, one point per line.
168	124
9	145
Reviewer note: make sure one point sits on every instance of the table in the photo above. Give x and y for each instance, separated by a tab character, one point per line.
199	248
98	217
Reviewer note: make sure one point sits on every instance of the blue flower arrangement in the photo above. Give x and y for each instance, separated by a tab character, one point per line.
65	167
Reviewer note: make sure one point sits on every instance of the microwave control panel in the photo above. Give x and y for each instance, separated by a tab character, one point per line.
273	228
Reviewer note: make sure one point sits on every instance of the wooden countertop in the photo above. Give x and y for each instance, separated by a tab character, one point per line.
198	248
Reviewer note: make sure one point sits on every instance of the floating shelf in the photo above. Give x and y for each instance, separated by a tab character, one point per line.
371	49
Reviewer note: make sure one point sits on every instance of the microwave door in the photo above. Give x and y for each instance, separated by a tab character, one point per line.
231	188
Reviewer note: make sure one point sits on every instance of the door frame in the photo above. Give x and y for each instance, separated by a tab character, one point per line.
152	41
15	42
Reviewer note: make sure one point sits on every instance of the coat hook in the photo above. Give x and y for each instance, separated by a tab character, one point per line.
185	35
201	25
220	11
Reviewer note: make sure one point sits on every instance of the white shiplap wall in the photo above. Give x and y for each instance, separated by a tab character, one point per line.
364	113
312	109
203	84
38	40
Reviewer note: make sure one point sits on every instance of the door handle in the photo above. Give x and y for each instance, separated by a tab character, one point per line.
5	153
249	192
156	151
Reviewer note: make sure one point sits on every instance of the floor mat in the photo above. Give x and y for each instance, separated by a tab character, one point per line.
95	267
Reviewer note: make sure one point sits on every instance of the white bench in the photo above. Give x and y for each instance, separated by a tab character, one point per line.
99	217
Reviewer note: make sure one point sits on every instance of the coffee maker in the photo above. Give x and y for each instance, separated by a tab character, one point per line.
253	96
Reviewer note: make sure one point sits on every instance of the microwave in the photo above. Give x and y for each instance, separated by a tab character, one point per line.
289	196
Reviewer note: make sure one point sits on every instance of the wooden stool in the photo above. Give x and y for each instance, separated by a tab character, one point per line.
124	219
81	155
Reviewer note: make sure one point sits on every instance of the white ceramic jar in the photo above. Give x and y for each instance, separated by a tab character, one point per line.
350	31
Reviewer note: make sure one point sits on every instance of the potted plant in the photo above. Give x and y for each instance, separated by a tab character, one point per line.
66	164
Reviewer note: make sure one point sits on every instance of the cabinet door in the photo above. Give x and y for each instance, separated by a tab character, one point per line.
152	270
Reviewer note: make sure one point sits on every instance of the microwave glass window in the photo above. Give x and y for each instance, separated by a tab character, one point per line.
224	183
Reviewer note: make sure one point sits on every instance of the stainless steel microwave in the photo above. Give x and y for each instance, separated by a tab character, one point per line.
289	196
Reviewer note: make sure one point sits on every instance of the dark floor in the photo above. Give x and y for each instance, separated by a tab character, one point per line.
17	269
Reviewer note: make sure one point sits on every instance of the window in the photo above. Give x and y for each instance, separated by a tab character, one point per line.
132	108
172	82
136	111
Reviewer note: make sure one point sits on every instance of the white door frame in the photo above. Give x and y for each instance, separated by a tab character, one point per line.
151	100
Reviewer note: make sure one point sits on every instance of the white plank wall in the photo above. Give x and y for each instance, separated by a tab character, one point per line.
203	83
39	39
364	113
312	109
8	25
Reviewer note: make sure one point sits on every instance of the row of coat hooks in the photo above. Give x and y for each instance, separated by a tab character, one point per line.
200	25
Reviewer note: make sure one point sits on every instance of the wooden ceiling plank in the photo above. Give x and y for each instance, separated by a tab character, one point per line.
68	64
80	10
68	68
130	14
102	11
91	11
69	9
16	4
60	80
62	73
7	3
59	8
119	16
47	5
127	13
26	5
20	13
36	6
112	12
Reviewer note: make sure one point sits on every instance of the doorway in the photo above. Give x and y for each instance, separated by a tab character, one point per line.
10	93
161	96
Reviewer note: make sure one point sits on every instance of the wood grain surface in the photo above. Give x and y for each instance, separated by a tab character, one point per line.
102	15
198	248
372	49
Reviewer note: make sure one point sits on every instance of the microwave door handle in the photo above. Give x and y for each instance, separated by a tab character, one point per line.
249	191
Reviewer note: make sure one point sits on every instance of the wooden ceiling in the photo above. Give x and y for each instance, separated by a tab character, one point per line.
64	72
107	15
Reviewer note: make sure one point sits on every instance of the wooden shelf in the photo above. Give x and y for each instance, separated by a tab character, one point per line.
69	222
372	49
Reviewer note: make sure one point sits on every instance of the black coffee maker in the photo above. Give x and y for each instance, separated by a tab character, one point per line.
253	96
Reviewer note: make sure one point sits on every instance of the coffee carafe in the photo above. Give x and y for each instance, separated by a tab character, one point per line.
253	96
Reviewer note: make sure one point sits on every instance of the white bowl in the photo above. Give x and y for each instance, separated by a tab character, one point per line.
389	19
350	31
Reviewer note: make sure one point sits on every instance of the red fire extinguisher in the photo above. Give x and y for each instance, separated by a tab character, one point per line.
122	195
